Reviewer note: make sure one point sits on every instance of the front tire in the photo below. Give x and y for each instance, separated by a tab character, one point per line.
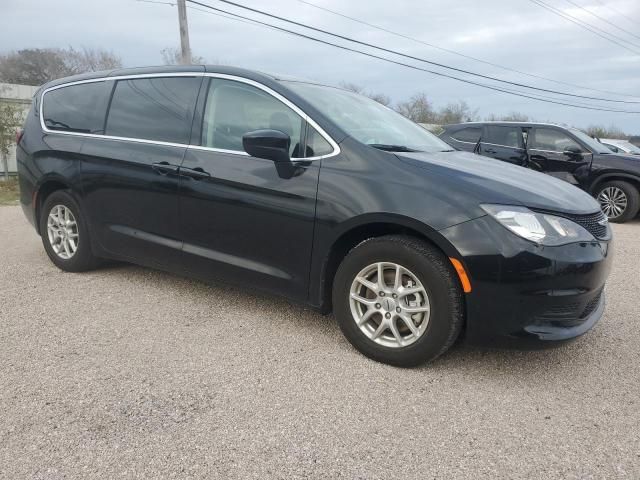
64	233
620	201
398	301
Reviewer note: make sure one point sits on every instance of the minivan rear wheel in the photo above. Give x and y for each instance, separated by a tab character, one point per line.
64	233
620	201
397	300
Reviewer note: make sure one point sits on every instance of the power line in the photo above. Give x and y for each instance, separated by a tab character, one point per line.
394	52
587	26
453	52
629	19
571	2
414	67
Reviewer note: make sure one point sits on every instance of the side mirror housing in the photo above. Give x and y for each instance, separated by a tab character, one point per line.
269	144
572	151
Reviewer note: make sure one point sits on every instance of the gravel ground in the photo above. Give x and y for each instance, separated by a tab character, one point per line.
129	373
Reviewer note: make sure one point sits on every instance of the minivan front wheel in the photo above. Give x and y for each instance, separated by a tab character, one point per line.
398	301
64	233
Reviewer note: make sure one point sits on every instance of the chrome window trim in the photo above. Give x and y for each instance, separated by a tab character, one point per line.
463	141
556	151
273	93
503	146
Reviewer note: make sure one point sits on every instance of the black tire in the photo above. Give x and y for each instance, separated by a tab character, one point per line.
633	200
432	269
83	259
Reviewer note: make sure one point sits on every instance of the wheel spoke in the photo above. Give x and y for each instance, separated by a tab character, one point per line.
367	316
409	323
381	281
397	283
396	333
364	301
421	309
370	285
381	328
409	291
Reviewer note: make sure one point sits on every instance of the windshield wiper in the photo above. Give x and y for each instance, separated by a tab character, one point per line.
392	148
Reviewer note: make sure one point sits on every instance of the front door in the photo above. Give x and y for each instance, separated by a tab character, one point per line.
244	219
554	151
130	176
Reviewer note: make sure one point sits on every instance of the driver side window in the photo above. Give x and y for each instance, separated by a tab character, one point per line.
235	108
552	140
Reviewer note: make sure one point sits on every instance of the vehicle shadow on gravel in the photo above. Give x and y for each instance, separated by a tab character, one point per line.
501	359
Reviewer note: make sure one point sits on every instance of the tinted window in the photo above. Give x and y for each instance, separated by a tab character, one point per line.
153	109
507	136
468	134
78	108
235	108
316	144
552	140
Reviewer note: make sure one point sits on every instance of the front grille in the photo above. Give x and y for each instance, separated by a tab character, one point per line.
591	223
591	306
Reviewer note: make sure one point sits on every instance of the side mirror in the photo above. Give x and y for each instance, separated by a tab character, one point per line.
572	151
269	144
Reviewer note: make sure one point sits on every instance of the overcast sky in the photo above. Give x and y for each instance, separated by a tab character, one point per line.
513	33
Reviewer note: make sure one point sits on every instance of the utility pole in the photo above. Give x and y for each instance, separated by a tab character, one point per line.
185	49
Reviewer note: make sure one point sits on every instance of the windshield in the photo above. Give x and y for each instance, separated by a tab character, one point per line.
367	120
592	143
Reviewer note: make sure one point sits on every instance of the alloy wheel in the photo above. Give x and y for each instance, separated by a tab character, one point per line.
62	231
613	201
389	304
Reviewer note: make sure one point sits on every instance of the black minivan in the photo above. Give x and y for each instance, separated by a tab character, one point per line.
563	152
315	193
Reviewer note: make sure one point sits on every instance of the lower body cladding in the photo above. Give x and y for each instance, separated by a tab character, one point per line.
523	290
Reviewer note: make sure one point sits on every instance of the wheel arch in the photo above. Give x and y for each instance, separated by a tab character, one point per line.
45	188
613	176
368	226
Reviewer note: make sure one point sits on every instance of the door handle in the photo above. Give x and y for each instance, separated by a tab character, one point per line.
490	150
164	168
195	173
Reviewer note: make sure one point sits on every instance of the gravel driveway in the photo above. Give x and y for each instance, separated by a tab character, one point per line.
127	373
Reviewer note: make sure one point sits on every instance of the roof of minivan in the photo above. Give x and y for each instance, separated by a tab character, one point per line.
228	70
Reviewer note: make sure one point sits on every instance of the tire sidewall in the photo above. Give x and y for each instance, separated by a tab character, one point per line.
437	335
633	200
82	258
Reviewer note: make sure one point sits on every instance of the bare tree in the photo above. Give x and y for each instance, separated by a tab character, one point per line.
601	131
510	117
36	66
378	97
173	56
418	108
456	113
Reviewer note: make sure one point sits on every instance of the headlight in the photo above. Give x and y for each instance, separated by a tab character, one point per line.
540	228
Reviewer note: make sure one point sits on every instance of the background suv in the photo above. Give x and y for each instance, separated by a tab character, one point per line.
565	153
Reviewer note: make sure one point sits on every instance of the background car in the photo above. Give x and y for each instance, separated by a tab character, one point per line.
620	146
565	153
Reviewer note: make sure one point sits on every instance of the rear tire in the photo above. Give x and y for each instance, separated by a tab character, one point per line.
620	201
64	233
371	323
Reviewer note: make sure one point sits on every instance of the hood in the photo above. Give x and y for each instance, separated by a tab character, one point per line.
493	181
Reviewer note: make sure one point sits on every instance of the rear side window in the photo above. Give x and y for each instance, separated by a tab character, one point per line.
235	108
158	109
468	134
505	136
76	108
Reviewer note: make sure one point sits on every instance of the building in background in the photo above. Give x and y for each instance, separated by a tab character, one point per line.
21	95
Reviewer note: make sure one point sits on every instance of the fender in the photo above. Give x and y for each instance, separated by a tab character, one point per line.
609	175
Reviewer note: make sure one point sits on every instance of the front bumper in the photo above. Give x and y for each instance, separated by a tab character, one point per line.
526	291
